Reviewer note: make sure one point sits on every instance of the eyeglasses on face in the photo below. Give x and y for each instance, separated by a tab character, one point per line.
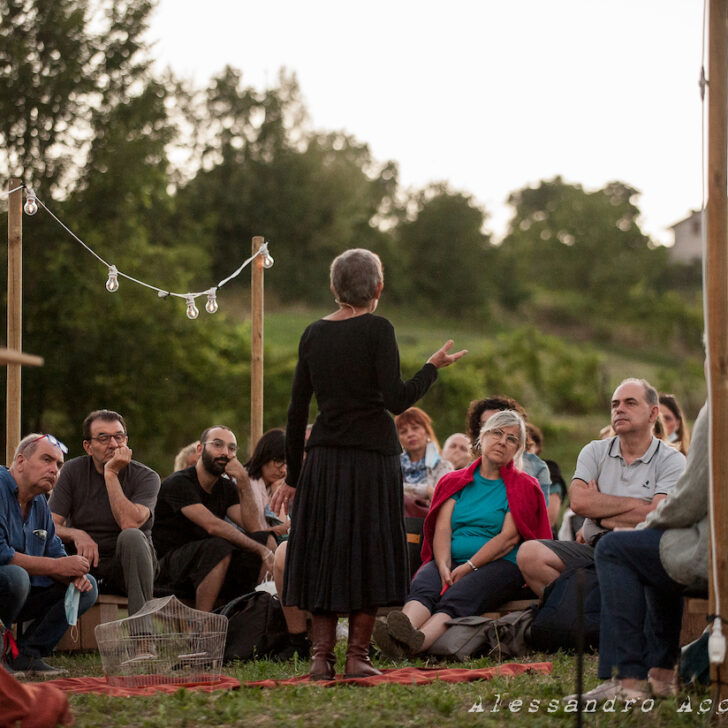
104	439
220	445
53	441
498	434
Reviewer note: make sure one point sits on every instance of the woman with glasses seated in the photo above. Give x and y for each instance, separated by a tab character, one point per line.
479	516
267	471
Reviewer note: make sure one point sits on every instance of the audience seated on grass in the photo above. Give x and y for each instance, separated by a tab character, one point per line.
480	410
102	506
457	450
266	470
201	554
422	463
643	574
557	488
35	571
186	457
676	427
477	520
617	482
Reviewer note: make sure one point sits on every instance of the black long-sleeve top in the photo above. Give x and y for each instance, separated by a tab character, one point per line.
352	366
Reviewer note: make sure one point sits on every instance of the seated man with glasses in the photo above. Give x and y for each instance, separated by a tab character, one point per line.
102	506
35	570
201	553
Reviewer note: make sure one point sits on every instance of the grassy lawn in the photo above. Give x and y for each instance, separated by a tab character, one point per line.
438	705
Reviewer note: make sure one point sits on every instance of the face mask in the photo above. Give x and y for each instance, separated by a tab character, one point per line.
70	602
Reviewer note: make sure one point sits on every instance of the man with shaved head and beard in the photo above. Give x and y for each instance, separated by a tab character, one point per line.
203	555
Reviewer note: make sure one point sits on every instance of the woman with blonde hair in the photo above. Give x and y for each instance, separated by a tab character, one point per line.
421	461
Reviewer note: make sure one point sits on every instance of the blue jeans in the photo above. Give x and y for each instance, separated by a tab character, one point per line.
21	602
641	612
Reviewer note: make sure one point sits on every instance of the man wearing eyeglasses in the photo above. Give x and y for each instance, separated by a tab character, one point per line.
102	506
35	570
201	551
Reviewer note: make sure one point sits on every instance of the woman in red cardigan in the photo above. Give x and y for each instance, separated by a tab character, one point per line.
477	519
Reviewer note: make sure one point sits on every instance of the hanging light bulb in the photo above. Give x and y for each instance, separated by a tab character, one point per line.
31	204
112	284
267	260
192	312
211	305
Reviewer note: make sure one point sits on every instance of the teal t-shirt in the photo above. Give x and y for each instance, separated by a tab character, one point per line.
480	509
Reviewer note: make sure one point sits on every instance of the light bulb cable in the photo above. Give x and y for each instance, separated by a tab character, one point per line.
114	272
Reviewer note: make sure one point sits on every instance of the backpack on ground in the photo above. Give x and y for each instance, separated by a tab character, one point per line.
256	626
556	623
475	636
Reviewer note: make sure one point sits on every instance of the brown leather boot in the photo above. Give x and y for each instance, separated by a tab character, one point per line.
357	653
323	639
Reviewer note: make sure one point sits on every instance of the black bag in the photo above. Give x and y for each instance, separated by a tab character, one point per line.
555	626
256	627
694	661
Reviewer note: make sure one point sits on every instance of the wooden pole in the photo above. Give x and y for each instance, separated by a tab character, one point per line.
716	265
256	346
15	317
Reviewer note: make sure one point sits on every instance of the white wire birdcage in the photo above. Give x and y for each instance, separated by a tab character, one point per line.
165	642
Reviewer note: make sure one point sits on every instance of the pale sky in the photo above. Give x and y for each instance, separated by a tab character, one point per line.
489	96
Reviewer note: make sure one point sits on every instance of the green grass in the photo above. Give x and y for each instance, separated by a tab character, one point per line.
440	704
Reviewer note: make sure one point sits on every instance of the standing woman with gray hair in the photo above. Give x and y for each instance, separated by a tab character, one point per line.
478	517
347	550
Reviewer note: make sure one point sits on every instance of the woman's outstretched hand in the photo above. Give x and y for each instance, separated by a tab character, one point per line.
441	358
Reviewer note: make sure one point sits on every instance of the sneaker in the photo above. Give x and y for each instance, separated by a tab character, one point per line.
663	688
15	673
402	630
613	689
35	666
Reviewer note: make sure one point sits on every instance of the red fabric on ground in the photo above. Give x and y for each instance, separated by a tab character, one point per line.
414	676
34	705
100	685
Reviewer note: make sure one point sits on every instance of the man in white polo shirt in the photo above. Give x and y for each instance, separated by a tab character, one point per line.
617	482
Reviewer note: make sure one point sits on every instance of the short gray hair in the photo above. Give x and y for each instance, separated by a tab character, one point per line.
27	446
651	396
506	418
355	275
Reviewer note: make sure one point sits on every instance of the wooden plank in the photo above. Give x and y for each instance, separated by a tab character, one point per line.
10	356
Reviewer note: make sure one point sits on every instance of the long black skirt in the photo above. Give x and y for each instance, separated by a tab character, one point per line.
347	549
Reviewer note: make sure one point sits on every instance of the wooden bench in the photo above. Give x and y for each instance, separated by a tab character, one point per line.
108	608
694	619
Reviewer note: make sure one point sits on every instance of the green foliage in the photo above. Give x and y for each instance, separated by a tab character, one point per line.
85	118
311	195
444	252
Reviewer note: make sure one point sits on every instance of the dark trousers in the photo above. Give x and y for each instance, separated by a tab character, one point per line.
481	591
641	612
44	605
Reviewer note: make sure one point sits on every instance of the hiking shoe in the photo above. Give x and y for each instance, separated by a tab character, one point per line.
35	666
400	627
613	689
387	645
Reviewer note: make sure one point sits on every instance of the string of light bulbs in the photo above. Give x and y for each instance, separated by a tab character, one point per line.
32	202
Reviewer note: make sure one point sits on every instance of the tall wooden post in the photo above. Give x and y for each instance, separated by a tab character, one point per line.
256	345
716	266
15	317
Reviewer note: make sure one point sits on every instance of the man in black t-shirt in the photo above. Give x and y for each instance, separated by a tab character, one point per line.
200	553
